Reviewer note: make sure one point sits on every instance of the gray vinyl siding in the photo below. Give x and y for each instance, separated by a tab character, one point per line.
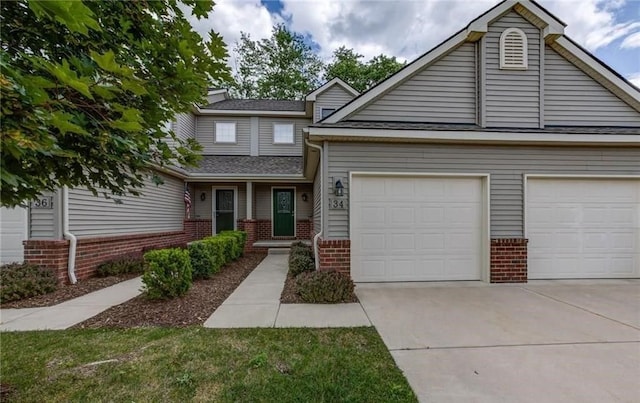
158	209
506	166
45	223
202	209
185	126
512	96
572	98
443	92
317	201
263	201
334	98
205	127
267	147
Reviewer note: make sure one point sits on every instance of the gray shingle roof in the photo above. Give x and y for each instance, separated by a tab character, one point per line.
246	165
258	105
469	127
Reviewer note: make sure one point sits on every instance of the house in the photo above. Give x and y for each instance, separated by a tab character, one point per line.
506	153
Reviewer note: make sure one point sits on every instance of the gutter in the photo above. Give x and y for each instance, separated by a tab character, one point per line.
73	241
315	238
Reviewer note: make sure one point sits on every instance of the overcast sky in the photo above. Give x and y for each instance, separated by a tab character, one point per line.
407	28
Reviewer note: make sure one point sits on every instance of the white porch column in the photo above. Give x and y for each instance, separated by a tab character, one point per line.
249	200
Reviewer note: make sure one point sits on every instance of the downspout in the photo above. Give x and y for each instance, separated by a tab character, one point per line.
73	241
315	238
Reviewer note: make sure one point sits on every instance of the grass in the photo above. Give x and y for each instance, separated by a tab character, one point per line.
198	364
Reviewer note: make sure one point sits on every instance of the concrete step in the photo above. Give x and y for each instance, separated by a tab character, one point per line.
278	251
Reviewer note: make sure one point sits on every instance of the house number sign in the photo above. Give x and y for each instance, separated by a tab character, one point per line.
337	204
43	203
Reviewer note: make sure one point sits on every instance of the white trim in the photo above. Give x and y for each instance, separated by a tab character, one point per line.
485	243
524	62
201	111
214	201
249	192
322	133
295	208
293	133
335	81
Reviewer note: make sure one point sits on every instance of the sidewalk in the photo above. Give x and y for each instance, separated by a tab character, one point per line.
69	313
256	303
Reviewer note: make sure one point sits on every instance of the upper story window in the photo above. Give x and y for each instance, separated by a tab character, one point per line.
225	132
513	49
324	112
283	133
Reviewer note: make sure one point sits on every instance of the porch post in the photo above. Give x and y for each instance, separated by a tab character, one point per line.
249	200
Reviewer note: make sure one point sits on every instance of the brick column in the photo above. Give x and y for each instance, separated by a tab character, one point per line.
509	260
251	228
335	254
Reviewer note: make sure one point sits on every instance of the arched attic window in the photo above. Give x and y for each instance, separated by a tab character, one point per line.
513	49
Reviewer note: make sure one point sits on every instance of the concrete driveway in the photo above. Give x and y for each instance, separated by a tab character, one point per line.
551	341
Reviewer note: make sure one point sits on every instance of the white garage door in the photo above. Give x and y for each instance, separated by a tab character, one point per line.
13	230
416	228
583	228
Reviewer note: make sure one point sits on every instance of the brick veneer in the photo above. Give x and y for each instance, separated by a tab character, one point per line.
509	260
197	228
264	230
90	252
335	254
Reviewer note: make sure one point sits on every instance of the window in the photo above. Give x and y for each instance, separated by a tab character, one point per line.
324	112
513	49
225	132
283	133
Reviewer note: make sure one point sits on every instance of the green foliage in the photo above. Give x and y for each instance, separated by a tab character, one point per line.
23	280
167	273
121	265
347	65
204	259
238	246
280	67
325	287
88	86
226	246
300	259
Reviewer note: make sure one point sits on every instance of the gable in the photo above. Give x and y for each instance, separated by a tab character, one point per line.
442	92
572	98
333	97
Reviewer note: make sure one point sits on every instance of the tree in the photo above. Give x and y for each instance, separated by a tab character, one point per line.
347	65
283	66
87	89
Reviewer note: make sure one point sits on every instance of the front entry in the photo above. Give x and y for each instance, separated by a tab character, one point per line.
224	210
283	212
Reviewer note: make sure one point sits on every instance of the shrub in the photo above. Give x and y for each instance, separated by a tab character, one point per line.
241	238
167	273
300	263
223	246
301	247
325	287
235	247
204	259
121	265
23	280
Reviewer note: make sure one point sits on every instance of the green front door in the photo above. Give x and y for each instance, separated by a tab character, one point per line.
283	212
224	210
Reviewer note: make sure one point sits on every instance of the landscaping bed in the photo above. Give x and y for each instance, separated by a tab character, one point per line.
290	293
195	307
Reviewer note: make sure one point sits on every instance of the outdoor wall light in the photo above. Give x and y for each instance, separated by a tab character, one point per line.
304	197
338	188
203	196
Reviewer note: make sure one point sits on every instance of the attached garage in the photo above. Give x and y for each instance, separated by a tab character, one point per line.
13	231
583	227
417	228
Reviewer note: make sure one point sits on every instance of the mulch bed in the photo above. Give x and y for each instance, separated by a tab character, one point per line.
290	295
68	291
204	297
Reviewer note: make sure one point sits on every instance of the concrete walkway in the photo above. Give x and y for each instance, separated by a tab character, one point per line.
69	313
256	303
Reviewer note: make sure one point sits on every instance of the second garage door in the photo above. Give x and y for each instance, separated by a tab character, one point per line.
416	228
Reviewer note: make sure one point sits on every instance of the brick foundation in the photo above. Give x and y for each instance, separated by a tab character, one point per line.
264	230
509	260
197	228
335	254
90	252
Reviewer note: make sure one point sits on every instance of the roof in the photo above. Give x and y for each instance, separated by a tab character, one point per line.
335	81
257	105
247	165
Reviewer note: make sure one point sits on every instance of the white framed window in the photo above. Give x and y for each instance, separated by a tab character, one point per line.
225	132
324	112
283	133
513	49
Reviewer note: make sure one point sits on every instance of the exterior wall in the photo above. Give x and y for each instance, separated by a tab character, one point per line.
505	164
266	145
264	195
46	223
508	260
205	128
185	126
202	209
444	92
335	254
197	228
158	209
334	97
317	201
512	96
264	230
572	98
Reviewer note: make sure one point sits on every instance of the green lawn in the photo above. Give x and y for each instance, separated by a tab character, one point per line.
197	364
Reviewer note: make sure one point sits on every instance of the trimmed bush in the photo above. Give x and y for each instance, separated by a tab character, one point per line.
325	287
223	246
23	280
235	247
167	273
121	265
300	263
204	259
241	239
